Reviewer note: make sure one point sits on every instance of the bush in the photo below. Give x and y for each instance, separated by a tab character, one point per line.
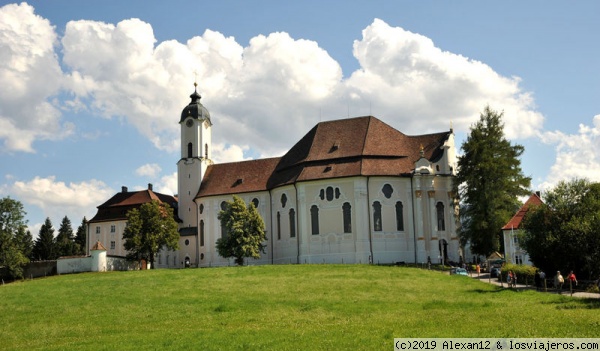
525	274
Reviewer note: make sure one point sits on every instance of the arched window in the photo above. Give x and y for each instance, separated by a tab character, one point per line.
387	191
255	202
201	208
201	232
314	219
347	217
377	216
441	224
278	225
292	223
190	147
329	193
399	216
283	200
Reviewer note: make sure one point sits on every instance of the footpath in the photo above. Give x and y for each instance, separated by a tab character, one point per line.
485	277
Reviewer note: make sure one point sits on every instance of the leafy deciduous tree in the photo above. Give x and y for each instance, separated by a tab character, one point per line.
489	182
13	237
563	233
148	230
245	231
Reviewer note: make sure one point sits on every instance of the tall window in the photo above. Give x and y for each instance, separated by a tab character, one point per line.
113	228
189	150
518	259
205	150
347	217
377	216
98	230
292	223
278	225
441	224
399	216
223	229
201	232
314	219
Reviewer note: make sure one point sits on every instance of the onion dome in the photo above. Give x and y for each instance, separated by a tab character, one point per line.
195	109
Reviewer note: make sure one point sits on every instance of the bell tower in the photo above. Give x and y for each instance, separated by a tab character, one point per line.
196	149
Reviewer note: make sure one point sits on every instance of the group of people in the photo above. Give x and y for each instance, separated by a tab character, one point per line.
511	279
559	281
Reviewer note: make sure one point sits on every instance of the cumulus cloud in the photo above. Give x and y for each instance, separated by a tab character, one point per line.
30	76
269	93
58	199
409	80
576	154
150	170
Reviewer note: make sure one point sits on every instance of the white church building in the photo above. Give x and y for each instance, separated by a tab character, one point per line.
353	190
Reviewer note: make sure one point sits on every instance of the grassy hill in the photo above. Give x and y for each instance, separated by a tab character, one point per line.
292	307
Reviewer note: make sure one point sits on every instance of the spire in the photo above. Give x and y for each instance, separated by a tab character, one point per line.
195	109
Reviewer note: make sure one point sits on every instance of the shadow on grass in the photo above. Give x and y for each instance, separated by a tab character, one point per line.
569	303
564	302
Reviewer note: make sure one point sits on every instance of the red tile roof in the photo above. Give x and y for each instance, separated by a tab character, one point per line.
117	206
361	146
98	246
515	222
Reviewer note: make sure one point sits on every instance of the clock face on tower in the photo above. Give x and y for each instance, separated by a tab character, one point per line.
189	122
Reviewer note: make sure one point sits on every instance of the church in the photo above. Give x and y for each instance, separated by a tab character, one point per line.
353	190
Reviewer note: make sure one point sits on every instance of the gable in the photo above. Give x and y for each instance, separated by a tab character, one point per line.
515	221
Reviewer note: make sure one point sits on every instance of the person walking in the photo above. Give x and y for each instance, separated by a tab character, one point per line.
558	282
572	281
543	280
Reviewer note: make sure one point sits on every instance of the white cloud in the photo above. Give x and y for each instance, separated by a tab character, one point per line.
30	76
167	184
148	170
408	80
576	154
57	199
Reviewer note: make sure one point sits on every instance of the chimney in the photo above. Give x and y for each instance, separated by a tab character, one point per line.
123	189
149	186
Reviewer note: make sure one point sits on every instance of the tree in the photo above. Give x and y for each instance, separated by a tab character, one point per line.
13	237
65	245
562	234
489	182
245	231
45	245
148	230
81	238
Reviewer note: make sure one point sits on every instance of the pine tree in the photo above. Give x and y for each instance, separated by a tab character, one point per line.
45	245
81	238
245	231
65	245
489	182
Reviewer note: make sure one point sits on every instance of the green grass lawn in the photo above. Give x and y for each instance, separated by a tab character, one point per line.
291	307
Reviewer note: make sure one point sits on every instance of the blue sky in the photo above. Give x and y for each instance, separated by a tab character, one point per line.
91	93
